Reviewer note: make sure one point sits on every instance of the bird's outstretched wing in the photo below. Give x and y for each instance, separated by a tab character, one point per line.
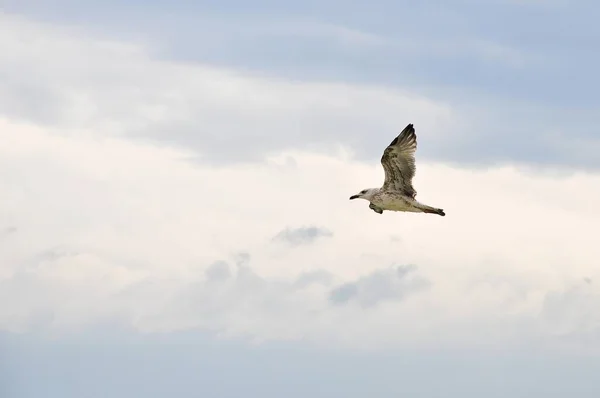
398	161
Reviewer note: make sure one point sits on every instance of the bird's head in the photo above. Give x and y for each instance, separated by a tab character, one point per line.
366	194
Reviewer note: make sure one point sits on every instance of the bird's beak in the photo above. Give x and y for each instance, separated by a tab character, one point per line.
354	197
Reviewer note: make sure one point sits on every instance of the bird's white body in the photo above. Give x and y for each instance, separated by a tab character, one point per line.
397	192
395	201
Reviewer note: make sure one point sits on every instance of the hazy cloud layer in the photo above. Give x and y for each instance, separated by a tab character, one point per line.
155	366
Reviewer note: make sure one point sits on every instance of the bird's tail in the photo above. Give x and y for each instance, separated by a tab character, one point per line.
433	210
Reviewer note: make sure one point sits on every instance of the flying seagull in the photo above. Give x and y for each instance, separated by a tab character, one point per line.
397	192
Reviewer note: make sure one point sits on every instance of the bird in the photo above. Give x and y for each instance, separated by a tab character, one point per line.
397	192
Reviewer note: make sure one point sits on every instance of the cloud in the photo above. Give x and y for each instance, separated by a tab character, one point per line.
234	114
117	224
381	285
157	242
6	232
223	115
142	188
302	235
306	279
218	271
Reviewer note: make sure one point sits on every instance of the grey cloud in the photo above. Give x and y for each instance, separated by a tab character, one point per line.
302	235
230	297
37	296
344	293
242	258
529	116
55	253
8	231
381	285
218	271
308	278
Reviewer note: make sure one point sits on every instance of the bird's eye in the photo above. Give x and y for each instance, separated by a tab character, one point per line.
363	191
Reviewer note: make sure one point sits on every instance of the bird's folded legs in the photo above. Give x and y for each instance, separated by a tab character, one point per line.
376	209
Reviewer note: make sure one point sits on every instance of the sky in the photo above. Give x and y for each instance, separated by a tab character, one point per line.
174	213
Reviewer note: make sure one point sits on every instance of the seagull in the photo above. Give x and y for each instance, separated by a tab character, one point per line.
397	192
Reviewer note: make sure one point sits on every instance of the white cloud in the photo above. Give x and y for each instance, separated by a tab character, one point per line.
55	76
105	227
109	228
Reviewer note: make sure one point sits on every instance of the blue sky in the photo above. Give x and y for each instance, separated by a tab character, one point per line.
158	366
175	213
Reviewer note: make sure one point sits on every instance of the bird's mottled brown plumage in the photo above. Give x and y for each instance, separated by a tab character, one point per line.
398	161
